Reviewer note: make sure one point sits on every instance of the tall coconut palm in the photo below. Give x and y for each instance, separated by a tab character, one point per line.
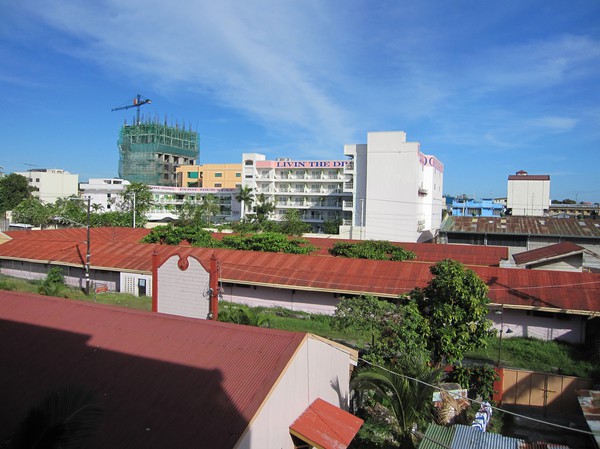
402	390
210	207
245	196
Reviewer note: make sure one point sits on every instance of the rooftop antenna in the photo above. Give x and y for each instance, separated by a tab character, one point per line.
137	102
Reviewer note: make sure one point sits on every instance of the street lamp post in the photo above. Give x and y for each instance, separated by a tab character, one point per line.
508	331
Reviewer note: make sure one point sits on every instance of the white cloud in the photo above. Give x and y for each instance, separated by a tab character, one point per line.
263	58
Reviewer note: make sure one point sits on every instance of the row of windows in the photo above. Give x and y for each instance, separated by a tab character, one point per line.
194	175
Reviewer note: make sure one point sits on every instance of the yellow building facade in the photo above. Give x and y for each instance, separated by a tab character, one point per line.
210	175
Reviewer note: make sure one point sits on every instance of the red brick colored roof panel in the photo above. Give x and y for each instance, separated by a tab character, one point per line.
557	290
163	381
519	288
103	235
324	425
432	252
529	177
548	252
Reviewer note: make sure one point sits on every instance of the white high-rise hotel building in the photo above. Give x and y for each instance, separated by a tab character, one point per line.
387	190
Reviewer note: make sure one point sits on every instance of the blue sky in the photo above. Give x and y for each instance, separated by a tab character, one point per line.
489	88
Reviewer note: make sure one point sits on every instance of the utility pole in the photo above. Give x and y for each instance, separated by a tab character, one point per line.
87	254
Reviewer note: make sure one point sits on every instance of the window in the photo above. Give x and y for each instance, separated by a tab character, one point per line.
218	184
218	175
238	175
193	174
248	162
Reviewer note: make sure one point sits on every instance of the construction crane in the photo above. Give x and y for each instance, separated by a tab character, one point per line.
137	102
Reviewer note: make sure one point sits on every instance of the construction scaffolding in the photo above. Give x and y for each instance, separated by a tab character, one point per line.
150	152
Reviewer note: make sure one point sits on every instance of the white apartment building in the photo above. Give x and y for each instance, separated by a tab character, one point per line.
396	190
315	188
167	201
52	183
528	195
387	190
104	192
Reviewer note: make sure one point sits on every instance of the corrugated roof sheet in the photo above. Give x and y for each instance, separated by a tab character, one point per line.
437	437
549	252
326	426
163	380
552	290
467	437
529	226
526	177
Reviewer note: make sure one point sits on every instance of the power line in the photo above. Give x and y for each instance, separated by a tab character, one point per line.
586	432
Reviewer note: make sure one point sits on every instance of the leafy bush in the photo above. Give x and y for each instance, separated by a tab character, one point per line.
478	380
371	249
53	284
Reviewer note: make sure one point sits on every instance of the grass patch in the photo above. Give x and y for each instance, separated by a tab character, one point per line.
538	355
110	298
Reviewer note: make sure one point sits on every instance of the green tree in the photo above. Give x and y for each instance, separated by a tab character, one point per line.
138	194
209	207
14	188
332	226
190	214
292	224
404	390
397	330
263	208
455	304
245	196
32	211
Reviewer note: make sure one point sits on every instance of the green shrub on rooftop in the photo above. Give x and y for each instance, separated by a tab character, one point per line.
371	249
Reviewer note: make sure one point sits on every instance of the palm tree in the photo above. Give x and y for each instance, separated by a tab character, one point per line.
403	390
210	207
245	197
65	418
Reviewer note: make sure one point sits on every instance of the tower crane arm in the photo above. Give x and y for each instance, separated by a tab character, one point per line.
137	102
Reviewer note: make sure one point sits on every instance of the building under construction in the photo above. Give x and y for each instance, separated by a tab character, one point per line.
150	152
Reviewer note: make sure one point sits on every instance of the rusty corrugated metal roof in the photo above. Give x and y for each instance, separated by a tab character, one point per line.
164	381
529	226
326	426
432	252
552	290
549	252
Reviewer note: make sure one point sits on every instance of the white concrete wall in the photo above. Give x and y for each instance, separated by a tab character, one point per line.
393	177
104	191
183	293
528	197
524	324
301	300
315	372
130	283
53	184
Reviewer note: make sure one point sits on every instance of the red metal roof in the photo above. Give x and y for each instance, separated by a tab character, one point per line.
325	426
526	177
572	291
549	252
432	252
163	381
